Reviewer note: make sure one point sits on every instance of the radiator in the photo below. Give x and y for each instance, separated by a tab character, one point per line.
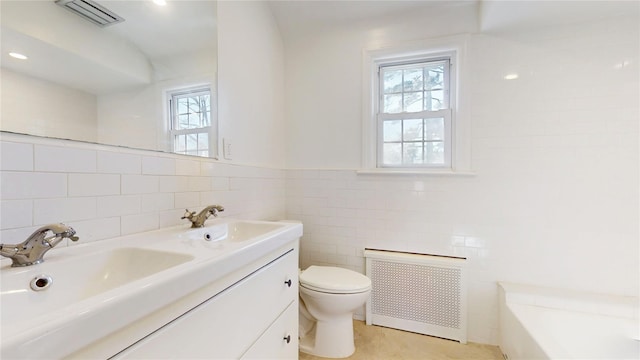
425	294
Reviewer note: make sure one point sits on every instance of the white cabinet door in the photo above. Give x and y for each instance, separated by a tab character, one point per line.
280	341
226	325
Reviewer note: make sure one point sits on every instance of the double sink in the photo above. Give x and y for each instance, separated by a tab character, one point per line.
87	291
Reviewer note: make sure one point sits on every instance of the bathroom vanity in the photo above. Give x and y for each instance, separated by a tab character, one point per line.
228	290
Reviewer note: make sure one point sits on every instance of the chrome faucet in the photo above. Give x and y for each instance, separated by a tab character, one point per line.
198	220
31	251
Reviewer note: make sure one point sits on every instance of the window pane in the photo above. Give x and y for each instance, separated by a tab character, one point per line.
392	130
413	101
434	100
434	152
392	103
203	141
392	154
413	80
392	81
183	106
434	129
183	122
192	142
179	141
412	153
412	130
413	88
434	76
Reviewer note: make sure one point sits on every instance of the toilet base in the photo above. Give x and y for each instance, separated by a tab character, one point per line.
332	339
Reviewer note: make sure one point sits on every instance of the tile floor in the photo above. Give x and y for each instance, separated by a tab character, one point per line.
375	342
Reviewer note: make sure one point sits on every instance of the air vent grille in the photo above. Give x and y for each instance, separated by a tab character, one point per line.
421	293
92	11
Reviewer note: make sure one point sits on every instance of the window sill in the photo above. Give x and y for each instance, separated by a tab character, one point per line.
411	172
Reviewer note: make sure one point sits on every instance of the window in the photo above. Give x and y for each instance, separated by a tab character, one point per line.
191	121
414	113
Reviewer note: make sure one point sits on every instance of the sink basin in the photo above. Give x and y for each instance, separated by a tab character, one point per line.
74	279
115	290
244	230
232	231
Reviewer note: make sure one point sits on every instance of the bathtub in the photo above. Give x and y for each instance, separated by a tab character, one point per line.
544	323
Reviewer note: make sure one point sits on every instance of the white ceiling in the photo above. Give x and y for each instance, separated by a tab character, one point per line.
65	48
296	17
301	16
179	27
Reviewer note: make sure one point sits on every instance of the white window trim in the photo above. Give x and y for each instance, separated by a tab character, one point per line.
460	124
212	130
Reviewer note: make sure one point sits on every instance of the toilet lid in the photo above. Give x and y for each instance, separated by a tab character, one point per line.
334	280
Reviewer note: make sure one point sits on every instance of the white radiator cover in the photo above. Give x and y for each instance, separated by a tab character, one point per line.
420	293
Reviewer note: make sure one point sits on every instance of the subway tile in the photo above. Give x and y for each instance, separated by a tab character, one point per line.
16	213
207	167
157	202
139	184
187	167
199	183
173	183
152	165
32	185
119	163
16	235
188	200
16	156
100	228
64	159
63	210
220	183
93	184
132	224
109	206
172	218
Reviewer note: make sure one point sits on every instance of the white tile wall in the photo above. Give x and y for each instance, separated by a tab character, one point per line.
107	191
555	152
555	198
63	159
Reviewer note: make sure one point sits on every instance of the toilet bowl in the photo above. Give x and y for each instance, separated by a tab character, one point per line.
328	298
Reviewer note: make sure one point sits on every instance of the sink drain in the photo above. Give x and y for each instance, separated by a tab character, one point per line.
41	282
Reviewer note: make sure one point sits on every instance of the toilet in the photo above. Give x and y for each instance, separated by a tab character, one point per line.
328	298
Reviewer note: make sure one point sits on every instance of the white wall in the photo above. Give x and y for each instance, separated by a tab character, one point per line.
554	201
140	113
250	83
44	108
106	191
324	82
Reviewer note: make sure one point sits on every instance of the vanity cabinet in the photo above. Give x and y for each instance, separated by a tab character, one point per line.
256	317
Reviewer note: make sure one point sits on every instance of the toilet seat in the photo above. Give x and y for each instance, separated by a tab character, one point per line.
334	280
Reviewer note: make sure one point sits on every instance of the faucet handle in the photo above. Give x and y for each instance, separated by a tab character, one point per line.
188	214
215	209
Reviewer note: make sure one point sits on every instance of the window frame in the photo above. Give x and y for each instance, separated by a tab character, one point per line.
446	114
460	110
211	130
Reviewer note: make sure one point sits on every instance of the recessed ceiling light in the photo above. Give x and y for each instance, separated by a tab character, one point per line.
160	2
511	76
18	56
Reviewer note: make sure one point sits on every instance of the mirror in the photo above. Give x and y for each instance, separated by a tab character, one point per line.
112	84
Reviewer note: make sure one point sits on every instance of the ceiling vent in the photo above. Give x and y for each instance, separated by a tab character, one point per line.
90	10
